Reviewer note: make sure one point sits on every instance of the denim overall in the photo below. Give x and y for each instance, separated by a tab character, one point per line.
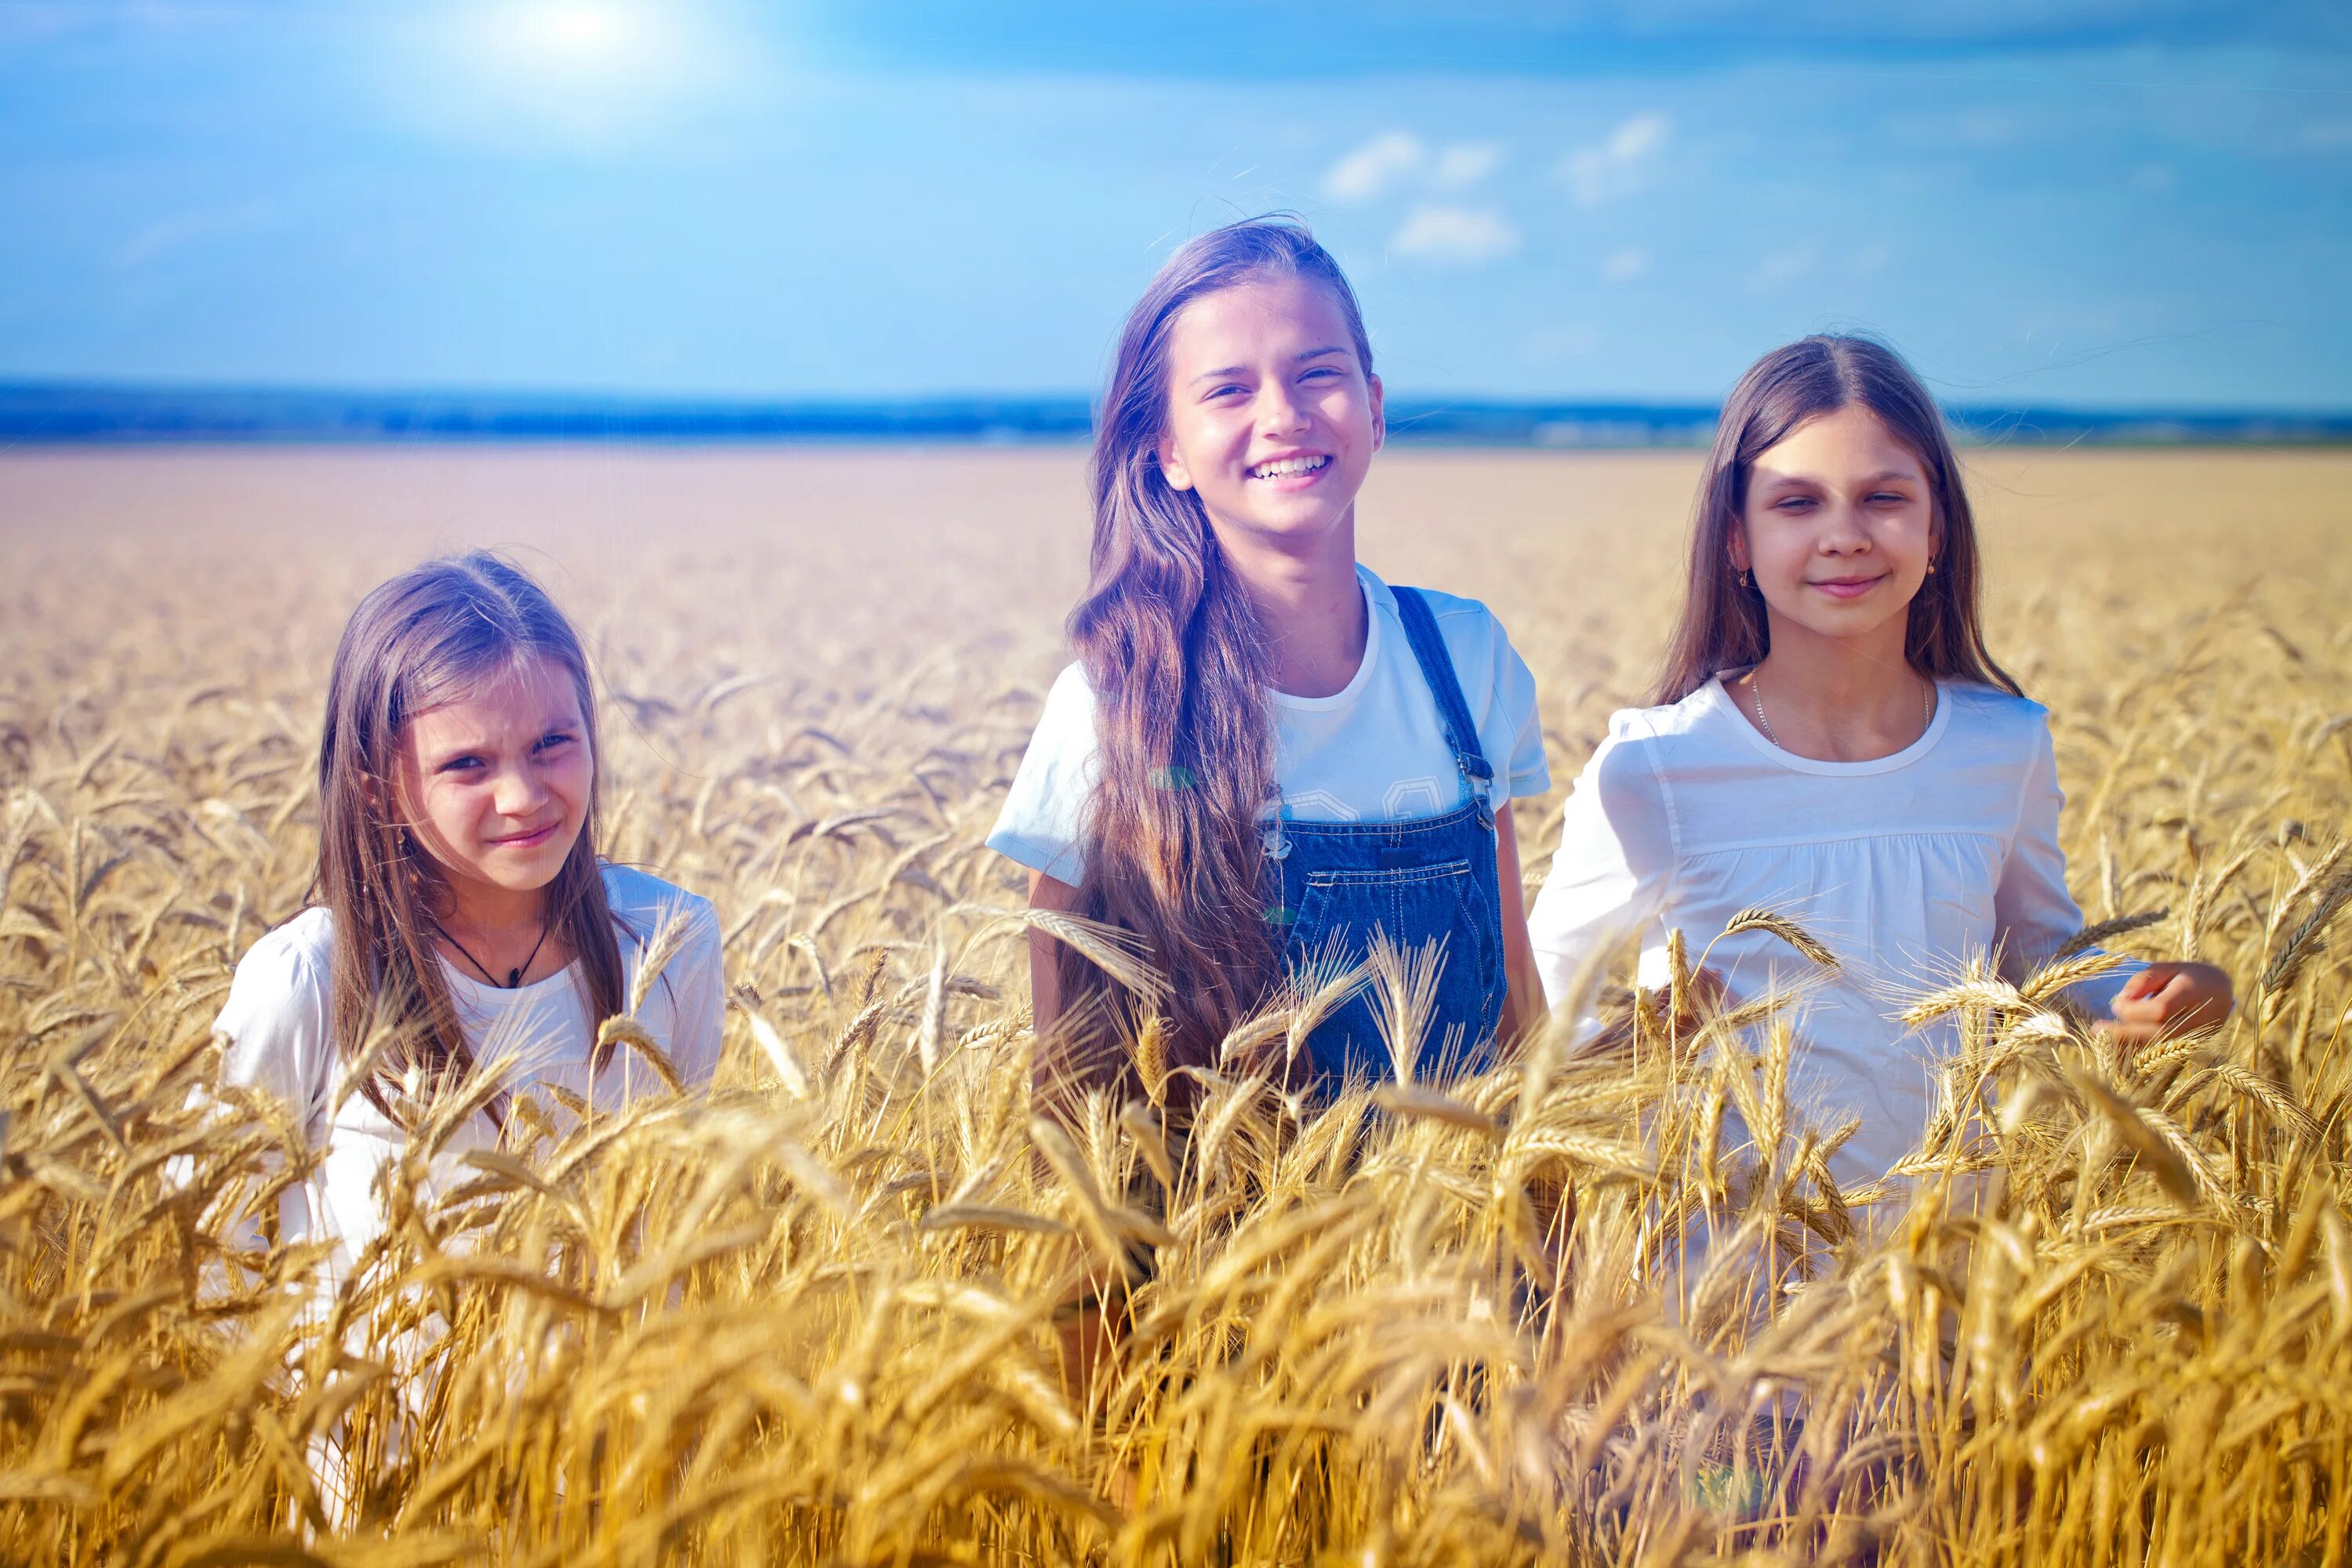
1416	879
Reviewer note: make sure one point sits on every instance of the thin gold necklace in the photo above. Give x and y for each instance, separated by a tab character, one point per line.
1756	691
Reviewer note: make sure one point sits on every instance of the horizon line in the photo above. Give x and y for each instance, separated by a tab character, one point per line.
97	412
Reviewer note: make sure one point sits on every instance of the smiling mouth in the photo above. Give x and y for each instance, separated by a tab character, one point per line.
526	840
1291	468
1847	587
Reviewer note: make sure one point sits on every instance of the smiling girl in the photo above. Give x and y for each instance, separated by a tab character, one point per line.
459	912
1264	753
1833	741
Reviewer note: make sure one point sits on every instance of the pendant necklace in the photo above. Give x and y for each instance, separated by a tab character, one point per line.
514	976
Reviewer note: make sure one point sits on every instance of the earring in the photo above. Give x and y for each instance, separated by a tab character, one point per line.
1747	578
1931	566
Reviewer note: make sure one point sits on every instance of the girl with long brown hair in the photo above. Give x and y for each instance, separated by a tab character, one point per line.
1829	739
459	914
1263	755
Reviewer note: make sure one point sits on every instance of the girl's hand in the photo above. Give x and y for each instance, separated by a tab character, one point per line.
1706	995
2170	999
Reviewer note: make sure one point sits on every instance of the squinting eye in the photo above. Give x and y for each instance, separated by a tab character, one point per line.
549	742
459	764
1792	502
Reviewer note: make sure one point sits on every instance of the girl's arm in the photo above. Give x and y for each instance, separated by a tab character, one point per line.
1044	952
1614	871
1040	826
1523	1007
2034	915
1089	1322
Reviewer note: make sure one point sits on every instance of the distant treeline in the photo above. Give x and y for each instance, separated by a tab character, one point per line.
60	411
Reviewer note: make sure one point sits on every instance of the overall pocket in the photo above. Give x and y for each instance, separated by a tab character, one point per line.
1340	910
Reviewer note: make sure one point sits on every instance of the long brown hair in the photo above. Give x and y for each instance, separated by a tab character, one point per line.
1723	624
1180	671
428	636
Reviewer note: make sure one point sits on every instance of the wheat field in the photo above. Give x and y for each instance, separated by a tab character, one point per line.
1584	1310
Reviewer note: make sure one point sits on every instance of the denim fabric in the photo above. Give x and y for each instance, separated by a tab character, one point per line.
1335	884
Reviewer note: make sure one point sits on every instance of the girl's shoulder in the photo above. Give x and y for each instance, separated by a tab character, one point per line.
1987	716
1065	725
644	902
298	954
277	1017
1073	691
1489	668
1669	726
1467	626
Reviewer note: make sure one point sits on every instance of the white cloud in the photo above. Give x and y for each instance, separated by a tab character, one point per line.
1371	169
1778	268
1619	165
1460	236
1622	266
1465	164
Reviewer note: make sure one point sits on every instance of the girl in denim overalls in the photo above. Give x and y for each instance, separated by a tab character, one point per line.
1265	755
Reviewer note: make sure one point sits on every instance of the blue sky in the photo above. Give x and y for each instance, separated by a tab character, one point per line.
2070	201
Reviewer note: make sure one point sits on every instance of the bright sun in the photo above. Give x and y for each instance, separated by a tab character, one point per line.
567	72
586	33
576	38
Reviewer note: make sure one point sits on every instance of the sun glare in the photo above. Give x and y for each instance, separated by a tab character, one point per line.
576	72
577	38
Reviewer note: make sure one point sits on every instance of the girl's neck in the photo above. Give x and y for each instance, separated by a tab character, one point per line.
1837	700
1308	602
484	909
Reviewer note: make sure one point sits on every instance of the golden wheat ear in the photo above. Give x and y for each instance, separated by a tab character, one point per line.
1117	951
2092	935
1784	928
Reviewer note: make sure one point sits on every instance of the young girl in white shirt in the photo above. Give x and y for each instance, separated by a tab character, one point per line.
459	914
1264	753
1830	740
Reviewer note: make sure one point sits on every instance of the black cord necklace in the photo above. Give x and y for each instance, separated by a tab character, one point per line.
514	976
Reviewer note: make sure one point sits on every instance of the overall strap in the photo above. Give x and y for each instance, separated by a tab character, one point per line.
1437	670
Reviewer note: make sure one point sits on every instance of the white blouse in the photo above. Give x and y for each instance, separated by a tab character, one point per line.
277	1021
1905	867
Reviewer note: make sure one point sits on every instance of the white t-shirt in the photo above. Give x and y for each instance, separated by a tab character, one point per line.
276	1020
1373	751
1905	867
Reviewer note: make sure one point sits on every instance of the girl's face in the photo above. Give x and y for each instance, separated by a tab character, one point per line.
1839	527
495	785
1271	418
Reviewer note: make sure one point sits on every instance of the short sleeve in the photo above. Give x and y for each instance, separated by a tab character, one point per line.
1044	813
701	997
2033	911
1614	871
1515	696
